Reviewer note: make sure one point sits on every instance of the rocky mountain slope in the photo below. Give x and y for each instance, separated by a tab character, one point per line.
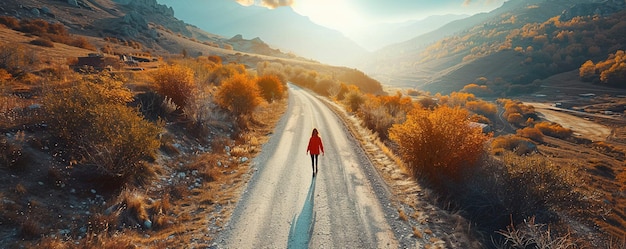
495	46
143	21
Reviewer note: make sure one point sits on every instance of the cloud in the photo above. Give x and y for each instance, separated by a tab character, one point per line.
272	4
245	2
467	2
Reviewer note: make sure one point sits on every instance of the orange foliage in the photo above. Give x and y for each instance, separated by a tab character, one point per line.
439	144
587	71
479	90
517	113
396	104
455	99
215	59
532	133
271	87
554	130
515	143
482	107
239	94
175	82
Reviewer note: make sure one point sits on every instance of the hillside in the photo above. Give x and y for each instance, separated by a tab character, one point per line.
147	22
282	28
532	39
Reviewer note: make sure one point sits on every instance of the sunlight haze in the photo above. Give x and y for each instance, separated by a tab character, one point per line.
359	19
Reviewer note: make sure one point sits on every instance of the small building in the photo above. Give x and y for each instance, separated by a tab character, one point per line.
97	62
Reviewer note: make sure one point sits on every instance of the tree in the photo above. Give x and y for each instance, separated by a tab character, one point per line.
587	71
439	144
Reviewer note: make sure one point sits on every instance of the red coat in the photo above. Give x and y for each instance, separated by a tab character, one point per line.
315	145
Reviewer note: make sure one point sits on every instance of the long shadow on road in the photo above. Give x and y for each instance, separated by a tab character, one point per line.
302	226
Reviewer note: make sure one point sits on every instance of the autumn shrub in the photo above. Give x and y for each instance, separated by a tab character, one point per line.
396	104
42	42
531	132
478	90
554	130
611	71
202	68
91	118
16	59
215	59
440	144
517	144
339	92
361	80
10	22
482	107
455	99
512	188
376	117
175	82
238	94
518	113
81	42
271	88
353	99
222	72
303	78
324	86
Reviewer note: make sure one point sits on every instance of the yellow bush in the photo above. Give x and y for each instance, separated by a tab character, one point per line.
439	144
353	99
91	118
271	87
482	107
239	94
554	130
518	144
175	82
532	133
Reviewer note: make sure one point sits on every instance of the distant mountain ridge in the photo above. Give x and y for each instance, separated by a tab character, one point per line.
515	45
282	28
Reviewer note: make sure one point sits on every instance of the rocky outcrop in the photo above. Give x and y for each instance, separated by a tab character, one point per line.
148	6
600	8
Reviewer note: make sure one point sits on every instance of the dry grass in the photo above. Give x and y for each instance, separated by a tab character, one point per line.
417	233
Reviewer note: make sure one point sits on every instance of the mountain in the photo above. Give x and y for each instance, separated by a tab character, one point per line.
385	34
514	47
281	28
144	22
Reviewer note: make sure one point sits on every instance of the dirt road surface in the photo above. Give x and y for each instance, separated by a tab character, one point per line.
585	128
284	206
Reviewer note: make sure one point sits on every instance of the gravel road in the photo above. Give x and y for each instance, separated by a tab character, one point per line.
283	206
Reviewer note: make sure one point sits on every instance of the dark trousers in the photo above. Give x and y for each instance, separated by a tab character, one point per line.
314	160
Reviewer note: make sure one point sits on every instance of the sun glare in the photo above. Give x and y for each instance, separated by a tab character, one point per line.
340	15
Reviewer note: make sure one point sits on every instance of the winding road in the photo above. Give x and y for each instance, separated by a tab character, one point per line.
283	206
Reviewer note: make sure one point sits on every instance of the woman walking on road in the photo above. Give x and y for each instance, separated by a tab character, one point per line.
314	148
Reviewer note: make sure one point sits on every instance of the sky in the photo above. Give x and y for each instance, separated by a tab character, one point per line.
353	16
